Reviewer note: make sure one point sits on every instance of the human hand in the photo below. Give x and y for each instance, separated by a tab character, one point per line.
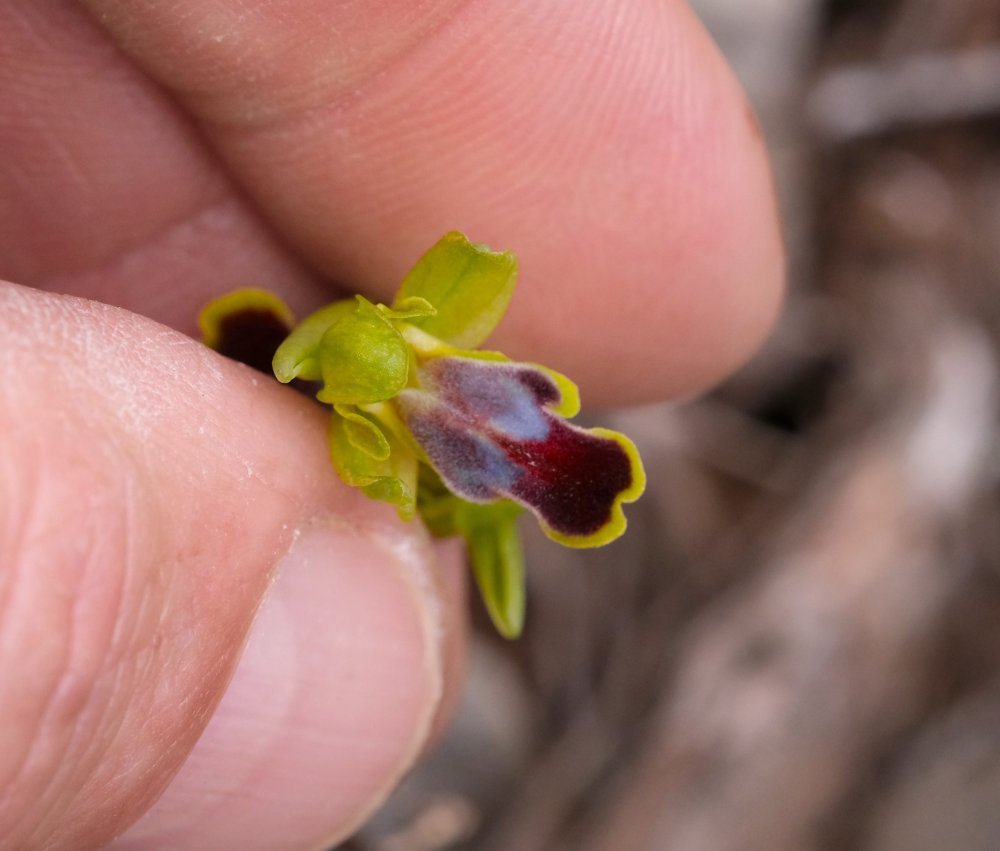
155	154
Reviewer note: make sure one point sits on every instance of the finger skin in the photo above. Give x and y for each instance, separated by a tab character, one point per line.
305	741
604	142
149	491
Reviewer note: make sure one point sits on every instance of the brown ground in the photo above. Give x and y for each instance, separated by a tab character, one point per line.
797	646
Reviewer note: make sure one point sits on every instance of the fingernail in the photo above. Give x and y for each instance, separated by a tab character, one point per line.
330	704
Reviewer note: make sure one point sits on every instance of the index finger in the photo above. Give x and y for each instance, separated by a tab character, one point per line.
605	143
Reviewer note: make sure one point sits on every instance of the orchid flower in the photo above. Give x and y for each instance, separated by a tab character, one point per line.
421	419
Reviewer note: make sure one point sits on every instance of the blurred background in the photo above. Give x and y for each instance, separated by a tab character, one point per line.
797	645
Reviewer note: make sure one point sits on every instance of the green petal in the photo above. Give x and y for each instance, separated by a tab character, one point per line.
362	358
364	434
469	285
297	356
392	479
393	490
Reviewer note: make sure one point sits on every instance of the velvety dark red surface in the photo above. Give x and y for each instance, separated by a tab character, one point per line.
488	430
572	478
252	336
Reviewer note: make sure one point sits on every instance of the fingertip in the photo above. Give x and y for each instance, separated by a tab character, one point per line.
333	699
660	268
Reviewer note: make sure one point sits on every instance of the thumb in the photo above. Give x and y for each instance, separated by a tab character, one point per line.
150	493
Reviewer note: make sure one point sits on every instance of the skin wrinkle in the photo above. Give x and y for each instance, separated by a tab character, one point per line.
111	240
72	170
179	242
17	766
43	30
123	628
40	716
73	693
105	266
13	519
298	77
78	689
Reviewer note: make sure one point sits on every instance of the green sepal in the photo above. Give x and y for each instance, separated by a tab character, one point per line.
497	562
392	479
297	356
469	285
364	434
493	543
362	358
